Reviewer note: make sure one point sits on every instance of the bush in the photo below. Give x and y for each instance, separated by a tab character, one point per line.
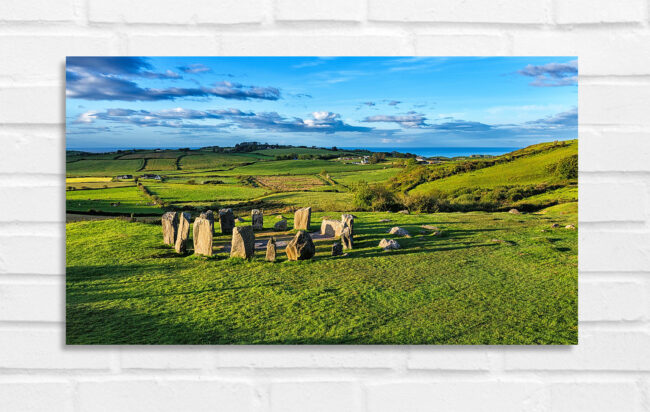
376	198
191	182
567	168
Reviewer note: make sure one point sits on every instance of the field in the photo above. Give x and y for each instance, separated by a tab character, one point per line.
488	277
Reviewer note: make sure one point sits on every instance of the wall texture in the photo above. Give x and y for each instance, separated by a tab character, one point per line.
608	371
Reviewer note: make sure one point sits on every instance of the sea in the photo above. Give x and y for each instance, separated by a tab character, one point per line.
420	151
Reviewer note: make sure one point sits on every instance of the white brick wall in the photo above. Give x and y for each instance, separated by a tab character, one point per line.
608	371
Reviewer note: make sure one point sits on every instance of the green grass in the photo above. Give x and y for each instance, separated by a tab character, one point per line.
301	150
160	164
561	195
215	160
528	170
172	192
103	167
370	176
462	288
317	200
297	167
131	200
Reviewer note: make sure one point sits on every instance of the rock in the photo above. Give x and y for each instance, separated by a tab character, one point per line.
226	221
301	247
302	219
398	231
348	220
555	225
243	242
437	233
337	249
331	227
257	219
170	227
429	227
183	232
388	244
346	238
569	227
270	250
280	226
513	211
210	216
203	232
385	220
404	212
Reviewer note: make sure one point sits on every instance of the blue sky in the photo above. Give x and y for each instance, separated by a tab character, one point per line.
142	102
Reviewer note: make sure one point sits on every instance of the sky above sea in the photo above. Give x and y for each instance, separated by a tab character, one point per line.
366	102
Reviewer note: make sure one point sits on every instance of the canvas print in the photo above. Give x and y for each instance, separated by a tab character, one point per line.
322	200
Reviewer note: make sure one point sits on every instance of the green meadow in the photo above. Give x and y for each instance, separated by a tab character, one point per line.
483	276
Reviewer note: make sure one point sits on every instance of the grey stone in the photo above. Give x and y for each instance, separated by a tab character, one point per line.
388	244
331	227
226	221
570	227
257	219
348	220
270	250
346	238
170	227
203	234
337	249
404	212
280	226
243	242
399	231
183	232
209	215
301	247
513	211
302	219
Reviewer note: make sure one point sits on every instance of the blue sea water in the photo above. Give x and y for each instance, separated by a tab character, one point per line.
442	151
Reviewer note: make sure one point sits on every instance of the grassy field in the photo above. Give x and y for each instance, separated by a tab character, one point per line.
203	193
160	165
130	199
103	167
493	278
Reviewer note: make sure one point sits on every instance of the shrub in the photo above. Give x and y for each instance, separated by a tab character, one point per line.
376	198
191	182
567	168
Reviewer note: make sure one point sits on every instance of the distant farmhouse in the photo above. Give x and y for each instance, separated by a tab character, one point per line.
124	177
152	177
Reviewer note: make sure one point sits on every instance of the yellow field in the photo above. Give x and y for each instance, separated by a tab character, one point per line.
87	179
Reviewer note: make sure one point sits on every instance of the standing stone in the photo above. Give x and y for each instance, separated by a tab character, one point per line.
302	219
183	232
243	242
301	247
280	226
210	216
203	236
170	227
257	219
226	221
346	238
270	250
337	249
348	220
331	227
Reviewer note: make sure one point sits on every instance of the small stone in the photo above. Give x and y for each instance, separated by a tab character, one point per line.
555	225
226	221
513	211
301	247
346	238
331	227
280	226
337	249
270	250
429	227
388	244
170	227
570	227
202	232
183	232
257	219
398	231
243	242
404	212
302	219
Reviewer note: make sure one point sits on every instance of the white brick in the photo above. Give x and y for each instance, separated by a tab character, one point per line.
460	45
626	50
37	10
612	201
160	396
172	45
602	350
36	396
500	396
196	11
599	11
166	358
32	255
42	58
314	45
614	251
607	151
339	10
32	302
448	358
309	357
27	151
617	104
28	203
594	397
46	349
611	301
471	11
38	104
315	397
